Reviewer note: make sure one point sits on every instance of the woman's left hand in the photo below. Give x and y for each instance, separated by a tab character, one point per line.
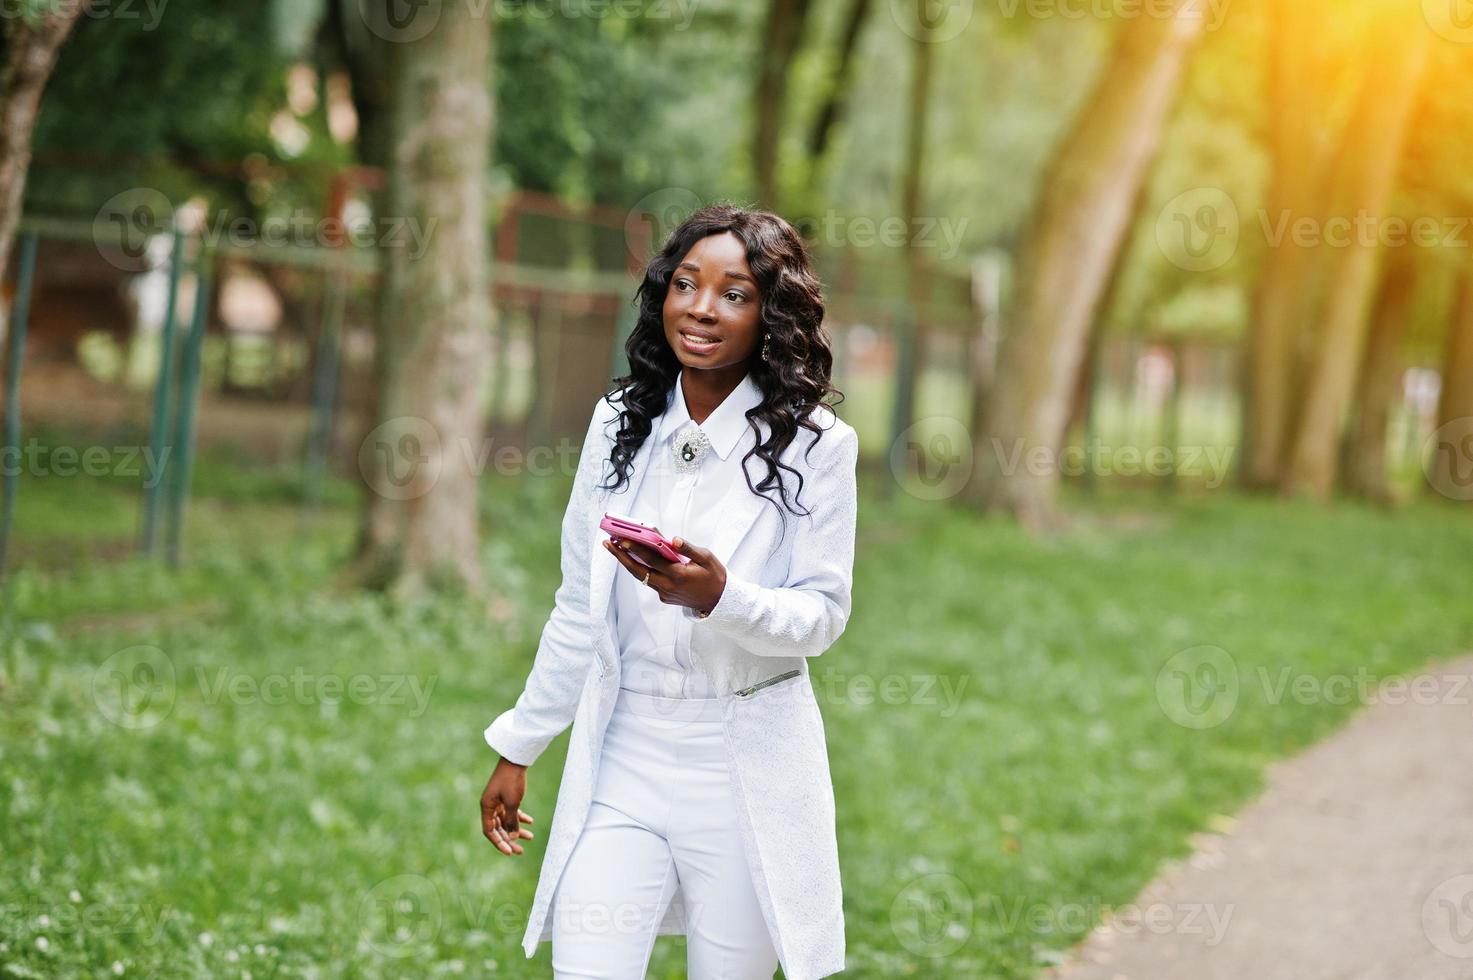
697	584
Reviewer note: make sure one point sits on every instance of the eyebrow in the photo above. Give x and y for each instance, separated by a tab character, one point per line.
730	273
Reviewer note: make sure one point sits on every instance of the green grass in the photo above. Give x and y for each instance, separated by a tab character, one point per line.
1005	760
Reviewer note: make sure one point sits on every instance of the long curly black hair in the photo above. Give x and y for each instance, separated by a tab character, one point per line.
793	380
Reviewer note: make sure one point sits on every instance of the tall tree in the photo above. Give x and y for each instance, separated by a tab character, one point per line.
1084	208
1362	185
31	43
836	95
912	327
781	36
434	313
1297	149
1379	383
1450	470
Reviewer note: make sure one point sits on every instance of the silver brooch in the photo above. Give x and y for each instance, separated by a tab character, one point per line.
689	447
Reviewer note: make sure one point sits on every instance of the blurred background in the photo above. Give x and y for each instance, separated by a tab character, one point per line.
1155	318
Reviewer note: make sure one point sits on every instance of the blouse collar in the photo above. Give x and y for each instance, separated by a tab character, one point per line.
724	426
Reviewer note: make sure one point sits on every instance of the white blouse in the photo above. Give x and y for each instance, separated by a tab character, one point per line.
654	637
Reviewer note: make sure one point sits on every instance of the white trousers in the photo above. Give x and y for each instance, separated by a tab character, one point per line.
662	812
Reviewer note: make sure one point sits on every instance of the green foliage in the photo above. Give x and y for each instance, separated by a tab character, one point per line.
177	97
606	109
1002	94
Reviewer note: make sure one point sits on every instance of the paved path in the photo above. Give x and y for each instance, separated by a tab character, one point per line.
1355	864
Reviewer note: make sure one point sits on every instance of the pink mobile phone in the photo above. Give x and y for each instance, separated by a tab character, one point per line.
620	526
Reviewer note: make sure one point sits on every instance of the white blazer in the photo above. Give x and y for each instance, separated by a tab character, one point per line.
783	603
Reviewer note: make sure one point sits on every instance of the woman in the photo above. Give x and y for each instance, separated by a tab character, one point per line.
696	797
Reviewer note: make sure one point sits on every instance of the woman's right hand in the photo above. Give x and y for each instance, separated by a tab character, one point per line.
499	808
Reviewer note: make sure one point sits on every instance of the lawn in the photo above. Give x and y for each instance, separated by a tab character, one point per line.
242	768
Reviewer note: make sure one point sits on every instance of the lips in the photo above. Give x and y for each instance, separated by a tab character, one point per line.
700	336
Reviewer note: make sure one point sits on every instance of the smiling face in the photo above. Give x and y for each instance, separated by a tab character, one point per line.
713	307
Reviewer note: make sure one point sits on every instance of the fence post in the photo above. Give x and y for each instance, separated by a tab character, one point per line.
901	409
21	313
624	323
324	384
1171	424
158	432
1094	354
188	394
502	326
547	332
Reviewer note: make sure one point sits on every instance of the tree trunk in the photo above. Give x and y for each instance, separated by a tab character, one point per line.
837	95
1450	465
366	55
784	31
914	326
1365	177
1084	211
30	54
434	315
1380	383
1285	291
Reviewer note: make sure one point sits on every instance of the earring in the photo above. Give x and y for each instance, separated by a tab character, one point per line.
765	339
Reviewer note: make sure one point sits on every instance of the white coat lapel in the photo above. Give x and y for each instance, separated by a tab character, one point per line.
601	575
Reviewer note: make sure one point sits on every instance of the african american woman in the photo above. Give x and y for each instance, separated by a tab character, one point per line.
696	797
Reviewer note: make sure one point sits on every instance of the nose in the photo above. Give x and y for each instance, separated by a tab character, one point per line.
701	306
